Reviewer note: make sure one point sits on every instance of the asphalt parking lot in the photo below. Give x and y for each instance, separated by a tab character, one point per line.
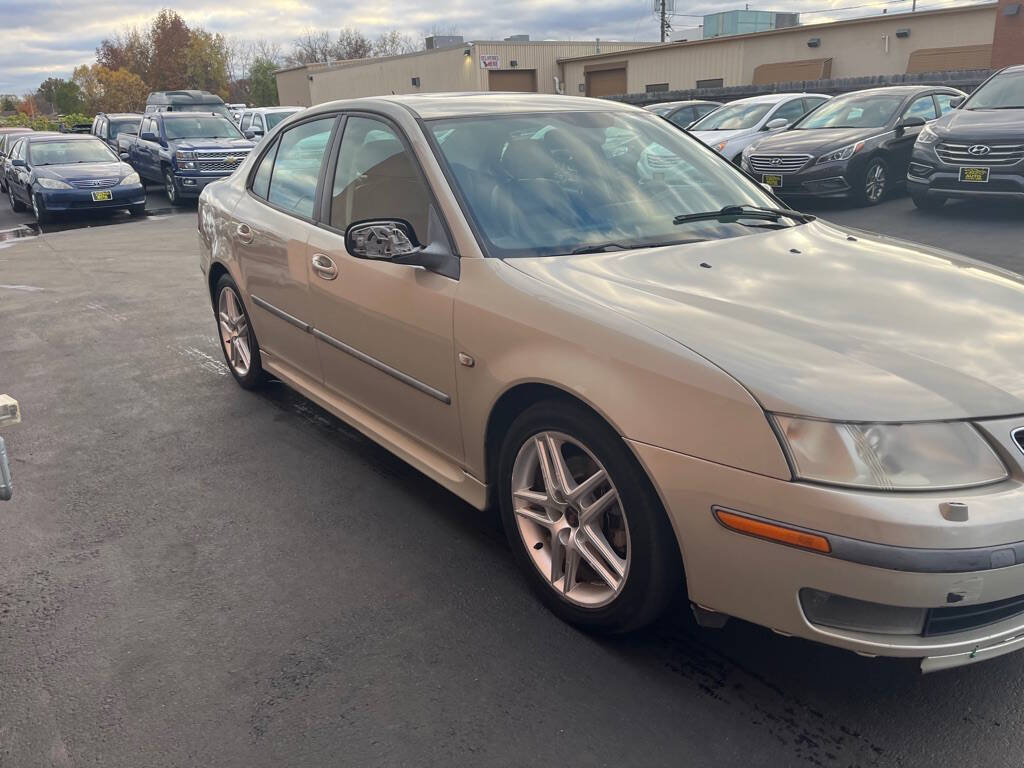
193	575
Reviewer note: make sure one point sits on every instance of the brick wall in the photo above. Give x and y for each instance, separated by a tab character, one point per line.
1008	38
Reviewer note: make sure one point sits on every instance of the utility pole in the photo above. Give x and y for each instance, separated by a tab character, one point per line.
664	19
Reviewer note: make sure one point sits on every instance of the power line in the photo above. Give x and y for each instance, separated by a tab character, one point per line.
841	8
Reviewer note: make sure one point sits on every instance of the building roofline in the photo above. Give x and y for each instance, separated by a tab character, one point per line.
330	66
789	30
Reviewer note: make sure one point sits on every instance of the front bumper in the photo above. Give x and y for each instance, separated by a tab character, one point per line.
930	177
826	180
760	581
66	200
192	184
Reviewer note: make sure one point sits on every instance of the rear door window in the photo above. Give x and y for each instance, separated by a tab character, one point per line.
296	169
246	121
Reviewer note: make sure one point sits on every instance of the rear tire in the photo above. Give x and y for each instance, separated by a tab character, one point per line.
928	202
237	337
630	538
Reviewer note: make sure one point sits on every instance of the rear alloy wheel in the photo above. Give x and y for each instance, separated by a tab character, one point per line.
583	521
16	205
876	182
238	342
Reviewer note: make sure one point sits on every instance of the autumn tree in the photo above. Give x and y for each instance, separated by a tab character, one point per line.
89	88
130	49
169	39
106	90
263	83
207	62
62	95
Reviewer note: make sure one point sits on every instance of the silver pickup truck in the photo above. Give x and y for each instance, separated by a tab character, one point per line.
9	415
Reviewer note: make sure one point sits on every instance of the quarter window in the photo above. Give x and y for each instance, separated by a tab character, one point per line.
377	179
682	117
246	121
261	180
922	106
300	154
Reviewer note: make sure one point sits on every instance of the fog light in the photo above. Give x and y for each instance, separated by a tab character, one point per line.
838	612
189	182
834	184
918	169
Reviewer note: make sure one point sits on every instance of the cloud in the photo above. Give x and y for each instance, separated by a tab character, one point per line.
48	38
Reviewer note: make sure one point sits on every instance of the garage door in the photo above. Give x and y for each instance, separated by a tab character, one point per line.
522	80
606	82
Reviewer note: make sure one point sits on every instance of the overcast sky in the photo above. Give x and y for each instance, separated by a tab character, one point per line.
43	38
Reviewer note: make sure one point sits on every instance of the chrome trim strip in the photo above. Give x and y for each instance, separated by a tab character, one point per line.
895	558
383	367
262	304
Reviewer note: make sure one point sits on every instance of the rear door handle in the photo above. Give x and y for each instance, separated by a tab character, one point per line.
244	233
324	266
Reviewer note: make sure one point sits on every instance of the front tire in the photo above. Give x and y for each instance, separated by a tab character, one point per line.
39	211
237	338
137	210
874	184
16	205
585	526
171	188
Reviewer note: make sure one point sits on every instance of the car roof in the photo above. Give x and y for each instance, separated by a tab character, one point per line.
900	90
435	105
1014	68
16	129
273	109
54	136
176	115
120	114
774	98
683	103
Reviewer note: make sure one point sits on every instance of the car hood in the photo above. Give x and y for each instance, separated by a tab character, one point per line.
822	321
83	171
1005	124
714	137
814	142
187	144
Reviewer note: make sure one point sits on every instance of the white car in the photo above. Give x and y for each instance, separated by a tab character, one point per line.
732	128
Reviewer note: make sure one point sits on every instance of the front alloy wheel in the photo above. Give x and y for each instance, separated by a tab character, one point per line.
39	211
583	520
876	182
570	518
171	188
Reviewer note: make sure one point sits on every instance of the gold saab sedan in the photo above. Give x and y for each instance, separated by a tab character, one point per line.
660	375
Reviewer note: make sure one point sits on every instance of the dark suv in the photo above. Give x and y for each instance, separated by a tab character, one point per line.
977	150
107	126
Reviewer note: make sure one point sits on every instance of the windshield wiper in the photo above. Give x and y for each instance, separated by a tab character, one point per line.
746	212
606	247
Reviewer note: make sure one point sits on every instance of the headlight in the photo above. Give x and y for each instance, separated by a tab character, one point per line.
131	178
184	155
926	136
720	146
843	153
46	183
892	457
748	151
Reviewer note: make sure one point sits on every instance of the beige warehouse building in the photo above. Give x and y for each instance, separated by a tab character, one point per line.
962	38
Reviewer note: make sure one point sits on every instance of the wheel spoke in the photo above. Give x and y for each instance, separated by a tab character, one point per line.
225	331
558	551
562	474
547	471
243	351
572	565
609	566
531	514
588	486
592	512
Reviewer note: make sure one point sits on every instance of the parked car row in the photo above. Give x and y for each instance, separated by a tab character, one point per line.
935	141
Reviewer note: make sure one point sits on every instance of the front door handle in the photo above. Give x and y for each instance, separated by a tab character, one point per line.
324	266
244	233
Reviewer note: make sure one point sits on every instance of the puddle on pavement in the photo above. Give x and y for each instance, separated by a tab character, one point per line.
8	236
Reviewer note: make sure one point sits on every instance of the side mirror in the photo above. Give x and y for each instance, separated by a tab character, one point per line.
124	156
386	239
147	136
778	122
250	134
19	163
910	122
954	103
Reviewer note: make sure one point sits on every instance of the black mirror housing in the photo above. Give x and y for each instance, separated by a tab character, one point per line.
396	241
147	136
912	122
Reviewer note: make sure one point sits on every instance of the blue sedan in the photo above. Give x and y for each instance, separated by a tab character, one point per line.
57	173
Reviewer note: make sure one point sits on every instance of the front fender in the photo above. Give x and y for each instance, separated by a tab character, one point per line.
648	387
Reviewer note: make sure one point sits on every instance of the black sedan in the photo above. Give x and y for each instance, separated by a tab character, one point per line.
975	151
53	173
857	145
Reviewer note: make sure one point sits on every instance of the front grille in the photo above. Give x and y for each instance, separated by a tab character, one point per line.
944	621
94	183
998	154
219	161
778	163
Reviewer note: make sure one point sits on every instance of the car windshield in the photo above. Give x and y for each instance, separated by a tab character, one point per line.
67	152
733	117
557	183
864	111
1005	91
273	118
201	127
